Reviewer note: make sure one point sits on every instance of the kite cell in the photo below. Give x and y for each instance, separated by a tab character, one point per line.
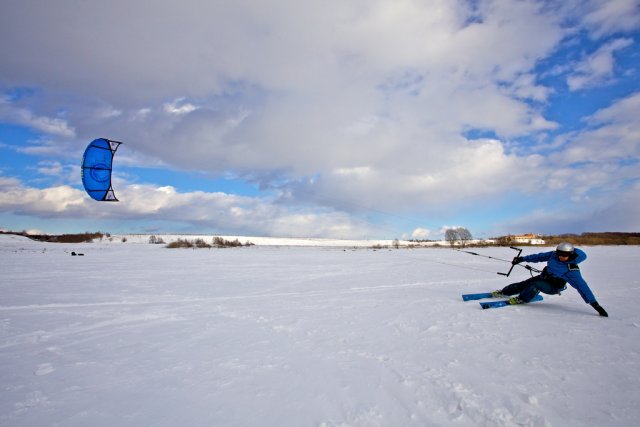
96	169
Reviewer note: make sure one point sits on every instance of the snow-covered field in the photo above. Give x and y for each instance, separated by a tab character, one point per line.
139	335
277	241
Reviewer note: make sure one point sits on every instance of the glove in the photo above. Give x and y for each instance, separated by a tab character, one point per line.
599	309
517	260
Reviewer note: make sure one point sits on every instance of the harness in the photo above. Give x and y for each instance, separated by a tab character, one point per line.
555	281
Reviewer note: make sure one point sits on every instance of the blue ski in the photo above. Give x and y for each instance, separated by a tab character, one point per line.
504	303
469	297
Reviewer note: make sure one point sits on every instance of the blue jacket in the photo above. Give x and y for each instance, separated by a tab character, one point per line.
567	271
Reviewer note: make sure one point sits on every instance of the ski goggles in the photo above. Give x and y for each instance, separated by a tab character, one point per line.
563	254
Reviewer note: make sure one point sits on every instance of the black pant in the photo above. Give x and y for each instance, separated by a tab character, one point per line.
531	287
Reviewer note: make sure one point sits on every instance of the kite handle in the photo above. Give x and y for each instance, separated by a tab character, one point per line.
512	265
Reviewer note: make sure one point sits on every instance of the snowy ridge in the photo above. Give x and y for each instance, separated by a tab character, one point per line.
293	241
271	241
278	241
134	335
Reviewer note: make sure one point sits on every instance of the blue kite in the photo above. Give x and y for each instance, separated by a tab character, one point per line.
97	162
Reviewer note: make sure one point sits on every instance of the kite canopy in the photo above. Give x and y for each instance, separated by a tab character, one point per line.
96	169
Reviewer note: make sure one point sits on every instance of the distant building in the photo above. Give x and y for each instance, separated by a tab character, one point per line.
531	239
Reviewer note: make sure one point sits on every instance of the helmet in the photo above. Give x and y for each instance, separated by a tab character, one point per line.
565	248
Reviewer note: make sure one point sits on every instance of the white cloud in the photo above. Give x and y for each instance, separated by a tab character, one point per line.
420	233
216	211
525	86
51	168
304	60
47	202
625	110
179	107
597	165
9	183
597	68
9	113
467	174
611	16
618	213
613	135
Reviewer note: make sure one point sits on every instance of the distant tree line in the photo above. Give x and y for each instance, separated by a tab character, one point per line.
605	238
156	240
217	242
590	238
86	237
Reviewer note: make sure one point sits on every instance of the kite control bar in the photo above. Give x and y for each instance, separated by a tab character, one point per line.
527	267
512	265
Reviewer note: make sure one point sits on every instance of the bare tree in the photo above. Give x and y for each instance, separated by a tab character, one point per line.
464	236
451	236
459	235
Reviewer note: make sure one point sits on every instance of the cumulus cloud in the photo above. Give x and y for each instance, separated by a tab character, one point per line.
620	213
598	67
332	93
332	55
197	210
420	233
593	179
349	105
604	157
47	202
469	174
179	107
613	135
22	116
611	16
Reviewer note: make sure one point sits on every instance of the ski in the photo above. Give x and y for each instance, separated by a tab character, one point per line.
504	303
470	297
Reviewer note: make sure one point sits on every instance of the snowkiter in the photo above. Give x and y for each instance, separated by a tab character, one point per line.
562	268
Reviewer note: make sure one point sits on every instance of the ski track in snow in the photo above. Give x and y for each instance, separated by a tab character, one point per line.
133	335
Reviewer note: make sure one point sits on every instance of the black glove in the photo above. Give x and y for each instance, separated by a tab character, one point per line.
517	260
599	309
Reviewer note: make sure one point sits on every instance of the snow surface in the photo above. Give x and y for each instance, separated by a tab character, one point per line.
279	241
140	335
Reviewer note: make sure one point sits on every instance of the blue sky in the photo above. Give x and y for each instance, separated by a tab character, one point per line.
339	119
